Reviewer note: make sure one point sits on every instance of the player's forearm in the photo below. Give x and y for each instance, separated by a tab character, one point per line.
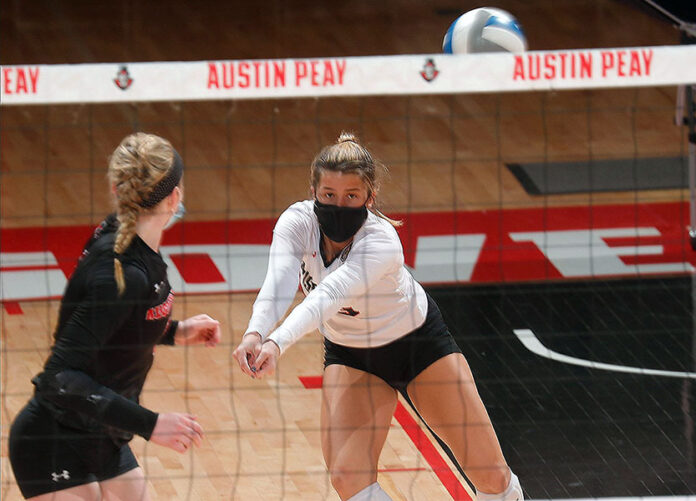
76	391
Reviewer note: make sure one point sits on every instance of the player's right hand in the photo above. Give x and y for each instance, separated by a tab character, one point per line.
177	431
247	351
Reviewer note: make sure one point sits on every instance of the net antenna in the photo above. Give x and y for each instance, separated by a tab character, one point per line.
689	120
684	114
687	28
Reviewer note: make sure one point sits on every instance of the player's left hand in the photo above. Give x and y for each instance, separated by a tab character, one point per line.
200	329
267	360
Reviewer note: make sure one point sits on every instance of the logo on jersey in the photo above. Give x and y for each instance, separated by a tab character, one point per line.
307	281
349	311
95	235
161	310
65	475
344	252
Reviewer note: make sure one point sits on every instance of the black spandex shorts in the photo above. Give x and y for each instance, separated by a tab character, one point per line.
47	456
400	361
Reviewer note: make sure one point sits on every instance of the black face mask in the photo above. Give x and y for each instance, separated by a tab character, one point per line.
339	223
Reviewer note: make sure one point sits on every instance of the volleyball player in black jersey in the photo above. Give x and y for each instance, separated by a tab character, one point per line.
71	440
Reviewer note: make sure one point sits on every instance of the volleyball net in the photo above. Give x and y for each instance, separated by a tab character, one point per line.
526	132
504	168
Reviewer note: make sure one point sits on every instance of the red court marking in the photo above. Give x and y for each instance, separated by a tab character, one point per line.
12	308
311	382
422	443
501	259
197	268
396	470
431	455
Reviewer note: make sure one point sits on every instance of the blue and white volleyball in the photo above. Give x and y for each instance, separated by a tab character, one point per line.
484	30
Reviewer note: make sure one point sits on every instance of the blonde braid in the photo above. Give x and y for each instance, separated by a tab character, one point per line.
127	213
136	166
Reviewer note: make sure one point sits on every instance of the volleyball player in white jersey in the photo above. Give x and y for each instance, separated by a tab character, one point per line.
382	332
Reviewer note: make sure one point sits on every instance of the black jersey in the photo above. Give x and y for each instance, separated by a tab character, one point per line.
104	342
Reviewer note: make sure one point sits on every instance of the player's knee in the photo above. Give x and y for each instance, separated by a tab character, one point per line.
493	480
502	491
348	481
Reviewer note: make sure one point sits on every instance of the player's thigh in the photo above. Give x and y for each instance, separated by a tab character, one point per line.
356	412
85	492
446	392
445	395
129	486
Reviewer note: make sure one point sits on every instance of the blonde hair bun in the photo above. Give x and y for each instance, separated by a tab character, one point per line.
347	137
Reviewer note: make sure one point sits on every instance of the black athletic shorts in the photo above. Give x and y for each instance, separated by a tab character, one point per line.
400	361
47	456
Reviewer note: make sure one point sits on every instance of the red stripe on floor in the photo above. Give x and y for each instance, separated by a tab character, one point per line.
431	455
12	308
311	382
393	470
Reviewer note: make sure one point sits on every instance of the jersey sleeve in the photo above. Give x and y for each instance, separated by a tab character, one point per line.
283	273
169	333
369	261
66	382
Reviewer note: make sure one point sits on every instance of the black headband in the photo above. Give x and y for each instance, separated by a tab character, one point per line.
166	184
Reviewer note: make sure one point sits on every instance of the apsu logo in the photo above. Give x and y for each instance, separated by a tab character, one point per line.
123	79
429	71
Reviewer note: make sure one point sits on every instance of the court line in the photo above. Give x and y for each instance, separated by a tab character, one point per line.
532	343
431	454
398	470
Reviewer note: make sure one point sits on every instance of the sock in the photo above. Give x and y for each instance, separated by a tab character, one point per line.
371	493
513	492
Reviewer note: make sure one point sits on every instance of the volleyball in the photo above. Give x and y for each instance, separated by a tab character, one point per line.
486	29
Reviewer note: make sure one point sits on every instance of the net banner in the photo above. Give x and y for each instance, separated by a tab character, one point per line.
350	76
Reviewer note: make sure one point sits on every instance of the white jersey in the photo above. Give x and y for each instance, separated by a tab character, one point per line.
364	298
